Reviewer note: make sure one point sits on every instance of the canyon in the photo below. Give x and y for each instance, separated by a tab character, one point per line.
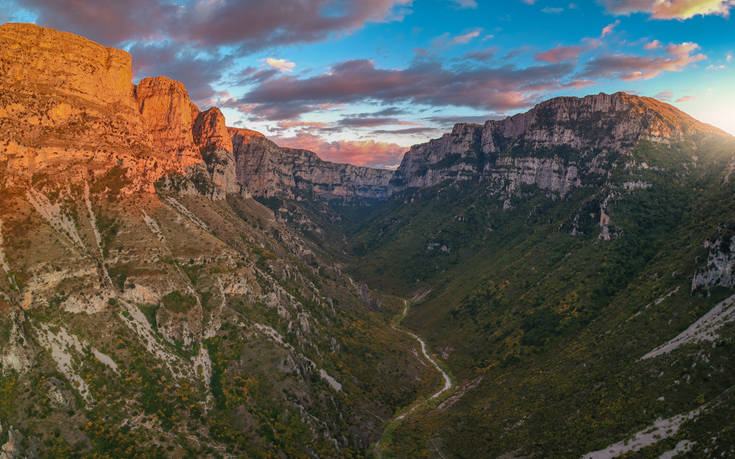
171	285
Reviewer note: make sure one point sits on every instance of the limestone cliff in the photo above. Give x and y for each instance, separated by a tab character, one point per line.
209	130
269	170
69	113
169	115
558	145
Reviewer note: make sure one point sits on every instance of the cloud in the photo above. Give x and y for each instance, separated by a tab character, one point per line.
288	124
216	22
684	99
428	83
465	3
282	65
448	121
560	54
578	84
106	21
481	55
465	38
420	130
729	57
196	70
608	29
183	40
670	9
446	40
372	121
359	152
655	44
664	95
630	67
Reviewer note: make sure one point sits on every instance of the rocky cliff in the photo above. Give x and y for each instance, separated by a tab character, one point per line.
269	170
69	110
559	145
141	312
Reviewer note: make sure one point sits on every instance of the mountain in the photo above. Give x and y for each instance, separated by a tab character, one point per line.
560	144
173	286
150	306
572	267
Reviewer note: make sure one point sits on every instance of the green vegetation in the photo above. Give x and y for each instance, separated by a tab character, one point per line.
550	317
178	302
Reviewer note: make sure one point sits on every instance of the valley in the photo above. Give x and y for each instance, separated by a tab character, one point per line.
557	283
422	402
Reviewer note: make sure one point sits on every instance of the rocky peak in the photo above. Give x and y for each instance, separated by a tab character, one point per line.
210	130
169	115
552	145
240	136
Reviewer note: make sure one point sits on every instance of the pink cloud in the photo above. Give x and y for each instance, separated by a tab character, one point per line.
684	99
287	124
578	84
560	54
502	88
462	39
630	67
655	44
205	22
670	9
357	152
608	29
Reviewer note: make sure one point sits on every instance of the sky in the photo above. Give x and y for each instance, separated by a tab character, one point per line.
360	81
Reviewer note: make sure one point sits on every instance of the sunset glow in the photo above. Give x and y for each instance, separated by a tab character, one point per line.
361	81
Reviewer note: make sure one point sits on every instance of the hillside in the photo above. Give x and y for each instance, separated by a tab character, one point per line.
556	262
558	283
150	306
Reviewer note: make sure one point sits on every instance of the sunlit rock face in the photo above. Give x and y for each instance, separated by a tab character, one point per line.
209	130
69	113
558	145
169	115
34	56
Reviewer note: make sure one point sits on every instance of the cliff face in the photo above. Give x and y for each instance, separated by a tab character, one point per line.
269	170
558	145
119	275
62	62
169	116
69	112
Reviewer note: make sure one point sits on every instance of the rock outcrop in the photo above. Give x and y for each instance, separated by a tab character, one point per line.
169	115
69	113
557	145
56	61
210	130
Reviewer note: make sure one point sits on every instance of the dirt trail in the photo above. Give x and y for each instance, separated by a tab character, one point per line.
448	383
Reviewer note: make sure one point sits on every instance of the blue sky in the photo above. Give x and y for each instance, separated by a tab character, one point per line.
360	81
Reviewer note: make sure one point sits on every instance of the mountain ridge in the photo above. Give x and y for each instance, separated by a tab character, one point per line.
171	125
574	265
